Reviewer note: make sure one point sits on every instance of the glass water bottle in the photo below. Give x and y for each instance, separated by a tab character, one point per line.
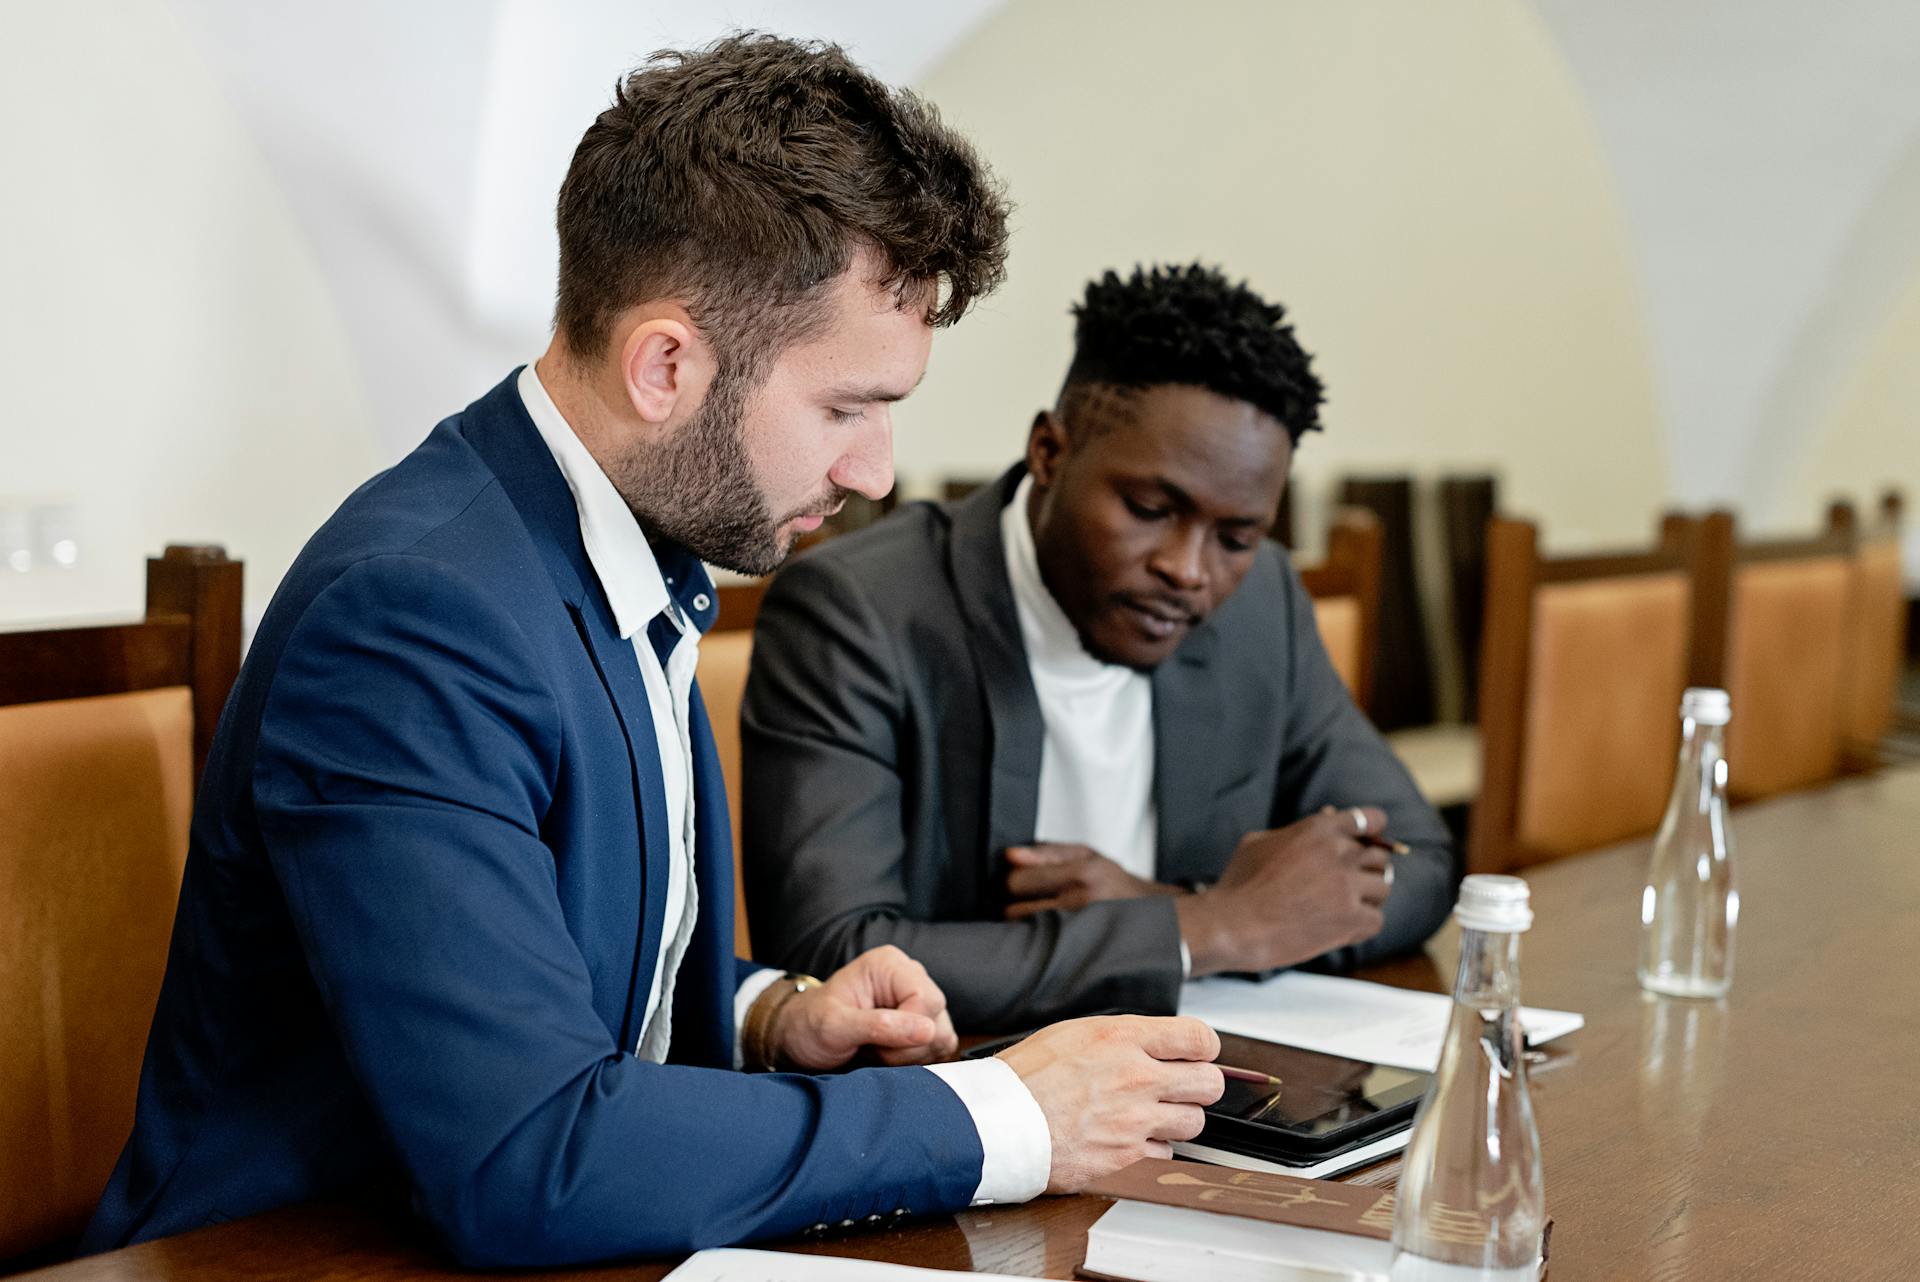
1691	905
1470	1202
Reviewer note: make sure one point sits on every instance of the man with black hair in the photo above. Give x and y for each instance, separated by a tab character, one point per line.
1075	738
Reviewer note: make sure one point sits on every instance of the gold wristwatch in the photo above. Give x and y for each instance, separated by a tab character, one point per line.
757	1049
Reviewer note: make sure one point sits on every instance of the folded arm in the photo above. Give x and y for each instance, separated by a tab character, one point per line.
824	827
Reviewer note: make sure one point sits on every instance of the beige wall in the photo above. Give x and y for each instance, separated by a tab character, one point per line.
1417	182
175	368
1872	438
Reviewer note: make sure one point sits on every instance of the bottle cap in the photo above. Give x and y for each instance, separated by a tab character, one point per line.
1489	902
1706	705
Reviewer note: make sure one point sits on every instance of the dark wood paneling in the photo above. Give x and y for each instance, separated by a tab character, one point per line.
1403	682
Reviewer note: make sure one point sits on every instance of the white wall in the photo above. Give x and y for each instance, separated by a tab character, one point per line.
1420	184
175	366
1768	156
250	252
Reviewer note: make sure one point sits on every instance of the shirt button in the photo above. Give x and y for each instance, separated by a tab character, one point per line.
702	601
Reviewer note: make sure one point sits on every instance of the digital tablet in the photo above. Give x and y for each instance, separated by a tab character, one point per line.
1322	1106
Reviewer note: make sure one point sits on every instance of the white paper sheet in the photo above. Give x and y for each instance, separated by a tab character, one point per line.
1349	1017
740	1265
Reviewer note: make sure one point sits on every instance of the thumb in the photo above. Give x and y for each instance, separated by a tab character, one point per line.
890	1028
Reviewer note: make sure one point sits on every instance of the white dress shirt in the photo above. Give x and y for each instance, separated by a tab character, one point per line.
1097	754
1018	1151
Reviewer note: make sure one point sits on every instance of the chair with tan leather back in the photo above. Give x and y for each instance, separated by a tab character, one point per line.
1582	663
1876	640
1772	630
725	653
103	732
1346	598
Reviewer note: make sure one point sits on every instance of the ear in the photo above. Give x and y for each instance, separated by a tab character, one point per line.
666	365
1048	445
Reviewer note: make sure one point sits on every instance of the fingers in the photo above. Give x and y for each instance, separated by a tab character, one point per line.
1174	1037
1158	1148
1373	890
1195	1084
1371	859
1176	1122
1046	852
885	1029
1358	821
890	978
1042	879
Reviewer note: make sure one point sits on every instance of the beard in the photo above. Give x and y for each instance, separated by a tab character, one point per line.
698	489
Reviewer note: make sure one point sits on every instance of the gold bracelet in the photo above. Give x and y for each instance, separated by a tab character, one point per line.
757	1049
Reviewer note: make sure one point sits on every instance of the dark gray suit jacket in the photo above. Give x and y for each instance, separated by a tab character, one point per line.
892	738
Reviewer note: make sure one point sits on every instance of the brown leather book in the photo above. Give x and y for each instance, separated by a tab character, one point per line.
1255	1195
1306	1230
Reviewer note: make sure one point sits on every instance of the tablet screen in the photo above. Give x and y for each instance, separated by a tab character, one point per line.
1318	1094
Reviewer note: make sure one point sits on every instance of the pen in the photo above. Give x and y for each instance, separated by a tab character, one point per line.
1248	1075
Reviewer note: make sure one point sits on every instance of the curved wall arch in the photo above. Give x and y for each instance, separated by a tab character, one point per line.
1418	183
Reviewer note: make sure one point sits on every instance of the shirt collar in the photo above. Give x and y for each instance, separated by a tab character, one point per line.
1052	643
639	578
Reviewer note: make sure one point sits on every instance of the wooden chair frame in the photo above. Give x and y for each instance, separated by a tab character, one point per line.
1515	570
190	637
1356	543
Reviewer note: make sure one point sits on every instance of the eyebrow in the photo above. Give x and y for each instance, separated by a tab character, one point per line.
1185	500
871	393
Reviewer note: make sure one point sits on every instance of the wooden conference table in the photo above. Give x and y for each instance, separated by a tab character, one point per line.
1775	1134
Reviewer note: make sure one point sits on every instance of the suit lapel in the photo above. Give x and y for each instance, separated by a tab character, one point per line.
1015	730
1187	714
498	428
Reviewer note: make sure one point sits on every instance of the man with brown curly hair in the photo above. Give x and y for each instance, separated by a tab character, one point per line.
455	927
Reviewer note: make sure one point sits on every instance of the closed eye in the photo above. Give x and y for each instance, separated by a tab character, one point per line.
839	415
1144	512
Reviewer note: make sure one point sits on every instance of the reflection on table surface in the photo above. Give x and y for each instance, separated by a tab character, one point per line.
1772	1134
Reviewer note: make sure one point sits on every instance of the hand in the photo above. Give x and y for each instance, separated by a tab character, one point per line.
1117	1088
882	999
1058	874
1291	894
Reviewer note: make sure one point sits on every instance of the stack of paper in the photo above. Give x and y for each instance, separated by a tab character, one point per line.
1348	1017
740	1265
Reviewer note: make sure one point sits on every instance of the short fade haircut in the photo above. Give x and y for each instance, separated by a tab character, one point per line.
739	177
1190	325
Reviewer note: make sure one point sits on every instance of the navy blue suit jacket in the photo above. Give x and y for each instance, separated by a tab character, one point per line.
423	903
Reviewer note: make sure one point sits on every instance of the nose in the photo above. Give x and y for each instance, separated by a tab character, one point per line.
867	466
1179	560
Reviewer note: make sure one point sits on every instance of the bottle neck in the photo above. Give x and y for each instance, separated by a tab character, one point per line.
1702	772
1489	974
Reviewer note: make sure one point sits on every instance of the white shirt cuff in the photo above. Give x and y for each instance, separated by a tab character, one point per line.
1186	962
743	998
1016	1147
